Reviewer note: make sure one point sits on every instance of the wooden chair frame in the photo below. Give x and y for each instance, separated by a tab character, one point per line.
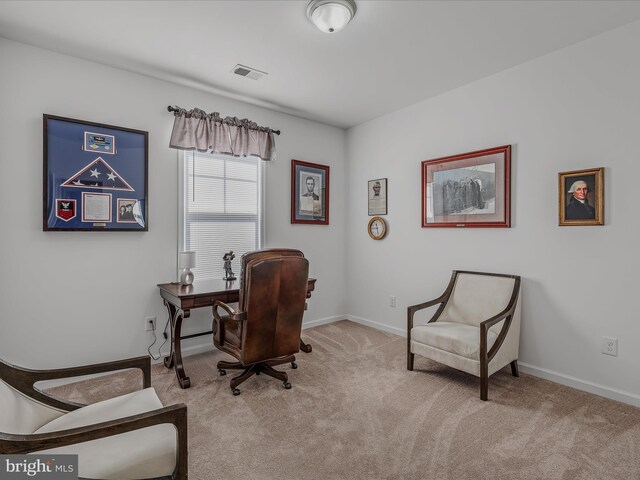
485	356
24	380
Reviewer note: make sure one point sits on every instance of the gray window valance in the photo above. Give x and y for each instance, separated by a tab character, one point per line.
209	132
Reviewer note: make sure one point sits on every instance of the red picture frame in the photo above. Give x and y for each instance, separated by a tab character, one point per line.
309	193
469	190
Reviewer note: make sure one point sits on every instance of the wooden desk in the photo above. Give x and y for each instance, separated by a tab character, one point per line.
180	299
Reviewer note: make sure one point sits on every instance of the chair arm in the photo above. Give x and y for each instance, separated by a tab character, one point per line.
487	324
411	310
507	315
232	314
23	379
218	321
174	414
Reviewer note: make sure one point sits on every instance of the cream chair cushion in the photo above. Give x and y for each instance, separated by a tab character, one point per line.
20	414
457	338
146	453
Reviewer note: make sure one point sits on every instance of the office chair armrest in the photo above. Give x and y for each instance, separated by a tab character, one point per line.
23	379
218	321
232	314
174	414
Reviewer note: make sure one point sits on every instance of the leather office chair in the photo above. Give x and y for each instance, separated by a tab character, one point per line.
127	437
266	329
476	327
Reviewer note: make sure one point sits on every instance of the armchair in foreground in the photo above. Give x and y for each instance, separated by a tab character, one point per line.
127	437
476	327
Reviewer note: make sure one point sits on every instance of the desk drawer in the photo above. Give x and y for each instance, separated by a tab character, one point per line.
207	300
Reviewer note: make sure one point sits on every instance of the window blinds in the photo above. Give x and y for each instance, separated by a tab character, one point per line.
222	210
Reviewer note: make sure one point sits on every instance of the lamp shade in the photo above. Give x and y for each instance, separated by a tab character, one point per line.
331	16
186	260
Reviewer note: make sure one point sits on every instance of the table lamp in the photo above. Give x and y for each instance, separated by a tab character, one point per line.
186	261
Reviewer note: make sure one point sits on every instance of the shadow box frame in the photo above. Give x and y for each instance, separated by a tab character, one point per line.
500	157
119	157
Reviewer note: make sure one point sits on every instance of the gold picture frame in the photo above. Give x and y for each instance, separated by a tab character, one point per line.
581	197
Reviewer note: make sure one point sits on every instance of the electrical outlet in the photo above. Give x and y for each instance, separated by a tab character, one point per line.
150	324
392	300
610	346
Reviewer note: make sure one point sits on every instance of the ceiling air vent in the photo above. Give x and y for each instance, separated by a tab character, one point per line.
248	72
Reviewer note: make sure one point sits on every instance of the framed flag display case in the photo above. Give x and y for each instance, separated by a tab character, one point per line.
95	176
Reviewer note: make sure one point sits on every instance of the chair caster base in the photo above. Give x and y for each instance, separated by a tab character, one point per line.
294	365
222	372
235	392
287	385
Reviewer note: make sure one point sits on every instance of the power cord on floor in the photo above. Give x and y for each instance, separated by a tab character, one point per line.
155	339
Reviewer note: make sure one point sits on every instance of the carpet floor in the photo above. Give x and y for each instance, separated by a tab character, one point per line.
356	413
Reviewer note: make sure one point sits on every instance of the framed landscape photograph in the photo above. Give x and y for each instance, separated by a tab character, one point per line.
309	193
377	196
95	176
468	190
581	197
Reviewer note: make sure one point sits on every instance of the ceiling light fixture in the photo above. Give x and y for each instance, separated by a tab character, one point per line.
331	16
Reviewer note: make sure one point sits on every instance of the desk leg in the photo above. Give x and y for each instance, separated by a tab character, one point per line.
171	310
175	357
305	347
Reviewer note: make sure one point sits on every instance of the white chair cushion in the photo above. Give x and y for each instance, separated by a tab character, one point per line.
146	453
452	337
20	414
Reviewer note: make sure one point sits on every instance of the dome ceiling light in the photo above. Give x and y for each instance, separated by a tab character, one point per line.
331	16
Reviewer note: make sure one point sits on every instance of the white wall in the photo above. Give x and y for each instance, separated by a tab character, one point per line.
573	109
74	297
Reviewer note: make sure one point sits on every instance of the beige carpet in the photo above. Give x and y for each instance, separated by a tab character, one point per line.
355	412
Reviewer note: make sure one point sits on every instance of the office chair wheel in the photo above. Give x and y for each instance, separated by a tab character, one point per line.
222	371
287	385
294	365
235	392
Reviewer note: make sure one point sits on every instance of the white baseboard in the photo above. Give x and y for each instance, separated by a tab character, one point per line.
200	347
584	385
380	326
322	321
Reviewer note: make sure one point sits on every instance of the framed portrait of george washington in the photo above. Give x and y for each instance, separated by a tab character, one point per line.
581	197
468	190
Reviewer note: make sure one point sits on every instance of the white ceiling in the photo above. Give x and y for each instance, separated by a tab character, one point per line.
393	54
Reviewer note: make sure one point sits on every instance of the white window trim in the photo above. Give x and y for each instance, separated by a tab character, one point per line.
262	207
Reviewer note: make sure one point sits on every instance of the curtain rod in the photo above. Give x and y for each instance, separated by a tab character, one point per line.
176	109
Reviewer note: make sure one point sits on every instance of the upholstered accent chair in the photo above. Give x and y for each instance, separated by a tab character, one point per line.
265	331
476	327
127	437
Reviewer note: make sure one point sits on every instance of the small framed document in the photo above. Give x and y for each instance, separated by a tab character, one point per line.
377	196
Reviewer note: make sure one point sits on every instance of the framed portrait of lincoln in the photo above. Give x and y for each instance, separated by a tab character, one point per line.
309	193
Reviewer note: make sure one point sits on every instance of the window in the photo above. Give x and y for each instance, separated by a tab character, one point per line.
221	209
